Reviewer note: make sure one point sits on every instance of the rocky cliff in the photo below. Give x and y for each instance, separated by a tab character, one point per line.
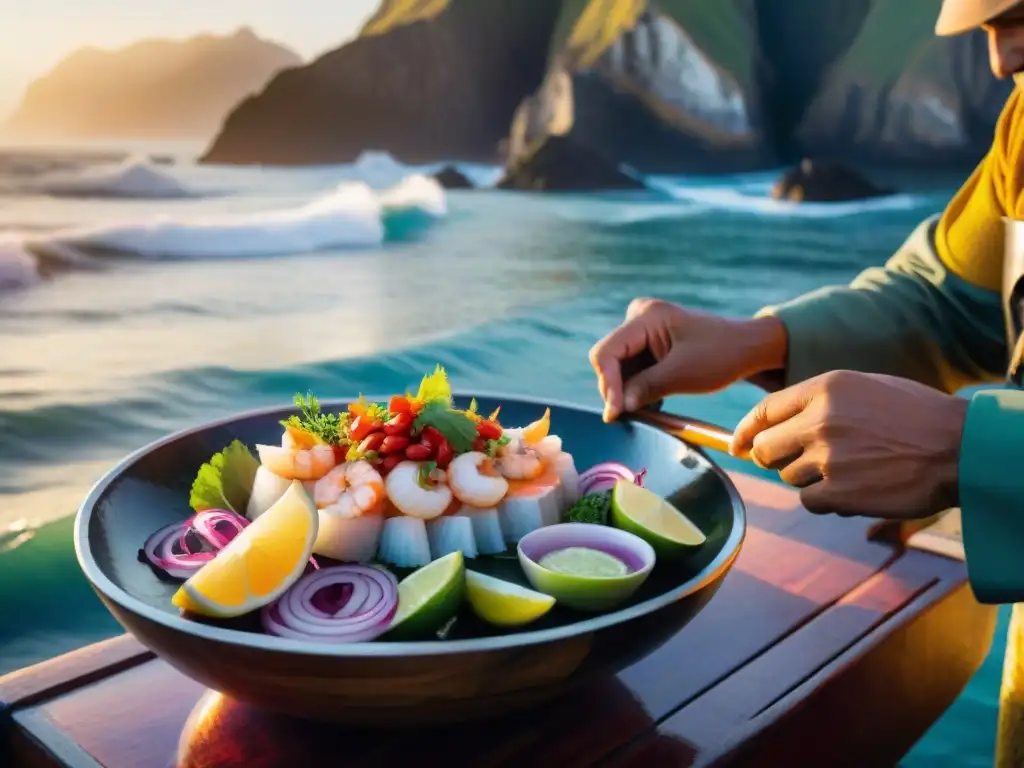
899	96
659	85
153	89
425	80
667	86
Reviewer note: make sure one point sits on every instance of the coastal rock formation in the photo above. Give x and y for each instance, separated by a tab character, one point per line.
451	177
663	86
152	89
426	80
630	82
899	95
816	182
559	164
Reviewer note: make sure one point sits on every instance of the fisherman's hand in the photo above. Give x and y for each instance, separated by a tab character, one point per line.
858	443
696	352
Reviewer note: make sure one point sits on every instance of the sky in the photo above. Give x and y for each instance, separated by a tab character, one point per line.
36	36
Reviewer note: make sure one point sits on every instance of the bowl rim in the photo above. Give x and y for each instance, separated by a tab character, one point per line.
630	539
270	643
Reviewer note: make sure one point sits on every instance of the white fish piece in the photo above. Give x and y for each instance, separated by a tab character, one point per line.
267	488
404	542
349	539
486	528
522	514
451	534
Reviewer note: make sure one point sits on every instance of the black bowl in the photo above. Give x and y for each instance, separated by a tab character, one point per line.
476	671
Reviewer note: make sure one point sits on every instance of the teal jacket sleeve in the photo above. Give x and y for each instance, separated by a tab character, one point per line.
911	318
916	319
991	485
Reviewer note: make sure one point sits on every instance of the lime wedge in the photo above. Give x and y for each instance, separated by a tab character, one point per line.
428	598
503	603
644	513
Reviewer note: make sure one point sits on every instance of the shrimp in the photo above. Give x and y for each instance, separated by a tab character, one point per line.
416	493
519	462
351	489
475	480
293	463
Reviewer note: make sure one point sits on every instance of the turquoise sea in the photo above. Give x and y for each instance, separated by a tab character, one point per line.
163	295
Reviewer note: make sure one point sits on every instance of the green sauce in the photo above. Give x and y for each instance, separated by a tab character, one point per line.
584	561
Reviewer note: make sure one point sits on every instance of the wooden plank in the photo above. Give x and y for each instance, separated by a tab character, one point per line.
72	670
793	569
924	636
40	744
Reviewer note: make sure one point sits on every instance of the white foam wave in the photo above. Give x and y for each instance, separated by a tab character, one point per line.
753	198
350	216
132	179
381	168
416	192
617	214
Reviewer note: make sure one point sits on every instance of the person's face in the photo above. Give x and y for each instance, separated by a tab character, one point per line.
1006	44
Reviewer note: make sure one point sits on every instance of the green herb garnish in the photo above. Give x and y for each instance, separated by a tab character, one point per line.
593	508
458	429
491	447
423	475
326	426
225	482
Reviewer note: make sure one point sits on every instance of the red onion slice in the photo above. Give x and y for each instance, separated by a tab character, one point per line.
367	602
604	476
218	526
170	550
167	550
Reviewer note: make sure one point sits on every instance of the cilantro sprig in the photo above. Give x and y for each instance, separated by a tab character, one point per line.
458	429
326	426
493	446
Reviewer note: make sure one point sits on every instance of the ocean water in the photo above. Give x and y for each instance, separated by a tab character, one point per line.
141	297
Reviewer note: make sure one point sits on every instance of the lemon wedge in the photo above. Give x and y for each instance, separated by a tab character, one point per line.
259	564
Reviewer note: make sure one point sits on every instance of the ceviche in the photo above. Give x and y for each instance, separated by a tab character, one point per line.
310	531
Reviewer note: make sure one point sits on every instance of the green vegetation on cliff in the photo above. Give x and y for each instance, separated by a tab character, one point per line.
894	34
394	13
721	29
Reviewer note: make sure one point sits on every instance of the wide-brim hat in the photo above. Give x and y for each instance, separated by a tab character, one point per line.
958	16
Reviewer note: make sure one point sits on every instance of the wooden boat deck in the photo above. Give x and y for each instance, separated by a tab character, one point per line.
826	645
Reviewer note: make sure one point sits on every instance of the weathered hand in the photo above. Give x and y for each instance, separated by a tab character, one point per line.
858	443
696	352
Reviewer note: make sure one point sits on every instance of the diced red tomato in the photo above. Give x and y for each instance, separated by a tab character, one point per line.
488	430
444	454
394	443
400	424
431	437
361	426
418	452
390	462
400	404
479	444
372	442
340	452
